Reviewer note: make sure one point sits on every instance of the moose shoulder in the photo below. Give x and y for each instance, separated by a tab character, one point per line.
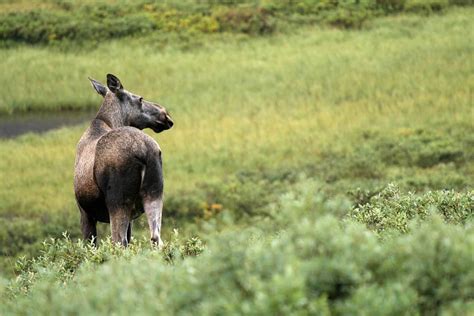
118	169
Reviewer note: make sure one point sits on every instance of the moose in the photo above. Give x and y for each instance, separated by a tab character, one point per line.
118	168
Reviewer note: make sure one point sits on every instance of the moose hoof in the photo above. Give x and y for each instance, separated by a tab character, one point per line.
156	241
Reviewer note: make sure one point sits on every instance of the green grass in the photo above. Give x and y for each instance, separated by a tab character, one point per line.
311	63
257	119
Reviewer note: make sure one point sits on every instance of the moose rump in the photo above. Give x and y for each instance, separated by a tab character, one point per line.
128	172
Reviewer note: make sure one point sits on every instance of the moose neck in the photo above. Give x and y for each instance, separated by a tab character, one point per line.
111	112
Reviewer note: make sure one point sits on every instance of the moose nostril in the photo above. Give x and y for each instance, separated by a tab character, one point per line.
169	120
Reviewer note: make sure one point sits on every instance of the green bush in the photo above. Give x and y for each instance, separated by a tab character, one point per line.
359	162
426	6
391	5
246	193
461	2
423	148
76	22
349	13
418	159
437	178
61	258
392	210
316	265
43	26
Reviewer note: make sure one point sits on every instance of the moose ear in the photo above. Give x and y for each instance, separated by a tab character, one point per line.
114	83
100	88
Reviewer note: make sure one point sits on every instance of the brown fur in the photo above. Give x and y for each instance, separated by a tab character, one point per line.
118	168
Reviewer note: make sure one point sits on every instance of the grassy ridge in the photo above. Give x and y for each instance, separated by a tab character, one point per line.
72	23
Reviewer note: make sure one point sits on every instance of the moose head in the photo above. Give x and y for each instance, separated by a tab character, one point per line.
130	109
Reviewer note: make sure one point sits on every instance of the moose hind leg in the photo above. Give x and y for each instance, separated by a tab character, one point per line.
152	195
153	209
119	205
119	223
121	189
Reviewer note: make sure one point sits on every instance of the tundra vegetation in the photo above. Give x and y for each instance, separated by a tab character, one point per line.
322	159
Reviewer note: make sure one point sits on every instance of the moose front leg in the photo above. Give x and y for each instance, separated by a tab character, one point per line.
88	227
153	209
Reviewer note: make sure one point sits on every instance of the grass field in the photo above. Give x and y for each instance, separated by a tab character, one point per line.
313	122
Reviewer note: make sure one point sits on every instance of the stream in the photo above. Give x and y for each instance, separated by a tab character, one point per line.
40	122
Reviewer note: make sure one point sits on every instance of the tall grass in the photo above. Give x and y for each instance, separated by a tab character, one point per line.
319	67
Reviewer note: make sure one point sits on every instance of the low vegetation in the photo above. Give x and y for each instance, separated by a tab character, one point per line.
304	260
317	170
55	21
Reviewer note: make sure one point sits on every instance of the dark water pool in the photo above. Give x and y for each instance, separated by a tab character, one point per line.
17	124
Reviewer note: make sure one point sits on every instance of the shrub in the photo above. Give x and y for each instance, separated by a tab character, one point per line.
439	272
246	193
392	210
426	6
349	14
245	20
74	22
359	161
43	26
391	5
315	266
461	2
441	177
423	147
61	258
